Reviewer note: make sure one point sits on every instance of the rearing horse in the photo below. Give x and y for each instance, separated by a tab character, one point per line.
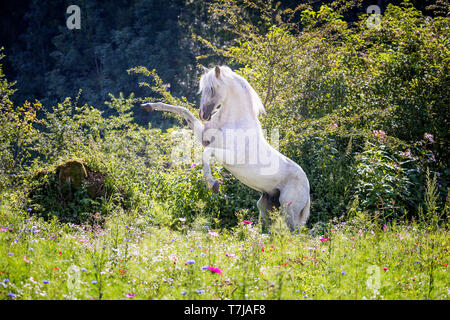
233	135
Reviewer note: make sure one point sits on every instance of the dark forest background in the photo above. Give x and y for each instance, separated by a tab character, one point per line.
51	62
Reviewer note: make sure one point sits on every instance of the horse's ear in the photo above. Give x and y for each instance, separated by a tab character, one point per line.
217	70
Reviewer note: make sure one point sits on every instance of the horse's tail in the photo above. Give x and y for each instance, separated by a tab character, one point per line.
304	214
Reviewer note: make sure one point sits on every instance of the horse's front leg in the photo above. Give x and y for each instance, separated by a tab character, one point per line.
211	182
193	123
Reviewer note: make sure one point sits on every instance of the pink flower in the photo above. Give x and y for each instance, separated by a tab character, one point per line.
246	222
215	270
232	255
130	295
324	239
213	234
3	229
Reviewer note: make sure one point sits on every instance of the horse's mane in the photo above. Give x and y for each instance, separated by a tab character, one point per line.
209	80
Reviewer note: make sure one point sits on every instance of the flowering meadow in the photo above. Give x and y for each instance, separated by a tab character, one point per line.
128	258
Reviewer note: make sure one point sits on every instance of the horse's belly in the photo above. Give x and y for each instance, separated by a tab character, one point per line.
252	177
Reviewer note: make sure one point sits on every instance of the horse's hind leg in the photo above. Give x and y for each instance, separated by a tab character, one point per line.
295	203
265	204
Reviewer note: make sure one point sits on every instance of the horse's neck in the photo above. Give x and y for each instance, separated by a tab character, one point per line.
237	109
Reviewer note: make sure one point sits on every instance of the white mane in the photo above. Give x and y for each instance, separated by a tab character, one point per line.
227	76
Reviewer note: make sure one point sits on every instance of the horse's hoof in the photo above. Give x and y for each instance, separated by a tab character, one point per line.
215	187
147	107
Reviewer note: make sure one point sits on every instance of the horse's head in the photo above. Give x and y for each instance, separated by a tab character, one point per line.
213	92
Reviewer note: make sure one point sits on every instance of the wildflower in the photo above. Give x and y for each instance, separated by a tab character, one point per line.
29	209
46	282
5	280
182	219
12	295
343	272
122	271
445	264
183	293
130	295
10	253
190	261
246	222
3	229
200	291
429	137
324	239
56	268
380	135
83	269
413	279
94	281
215	270
205	268
385	269
26	260
193	165
333	125
213	234
232	255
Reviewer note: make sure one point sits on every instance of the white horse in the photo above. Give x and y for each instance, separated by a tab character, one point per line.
233	135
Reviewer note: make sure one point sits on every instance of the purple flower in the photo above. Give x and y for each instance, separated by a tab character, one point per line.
130	295
46	281
429	137
190	261
12	295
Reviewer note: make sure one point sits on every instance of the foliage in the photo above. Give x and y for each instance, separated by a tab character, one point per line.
331	84
363	110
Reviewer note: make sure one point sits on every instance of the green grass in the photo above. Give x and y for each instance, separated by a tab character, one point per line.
129	258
